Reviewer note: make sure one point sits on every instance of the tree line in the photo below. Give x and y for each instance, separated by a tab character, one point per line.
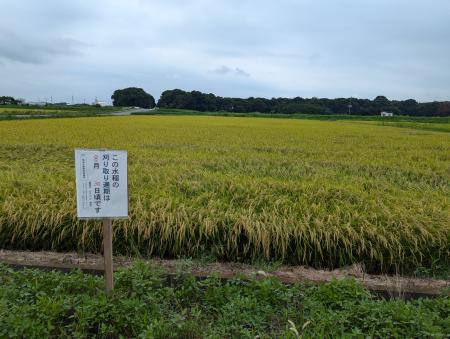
199	101
208	102
7	100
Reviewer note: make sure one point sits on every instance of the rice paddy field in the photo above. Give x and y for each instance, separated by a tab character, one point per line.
320	193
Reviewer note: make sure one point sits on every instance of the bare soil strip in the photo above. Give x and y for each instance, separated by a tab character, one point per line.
391	285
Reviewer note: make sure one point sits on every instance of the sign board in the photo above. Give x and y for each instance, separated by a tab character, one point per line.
102	183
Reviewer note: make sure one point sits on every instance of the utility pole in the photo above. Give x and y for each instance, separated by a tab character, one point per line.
350	107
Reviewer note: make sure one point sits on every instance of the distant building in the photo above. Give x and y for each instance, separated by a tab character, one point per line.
387	114
99	103
37	103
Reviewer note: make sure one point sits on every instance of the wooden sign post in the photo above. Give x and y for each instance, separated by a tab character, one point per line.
102	193
108	255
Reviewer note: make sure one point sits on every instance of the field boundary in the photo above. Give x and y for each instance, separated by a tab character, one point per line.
387	285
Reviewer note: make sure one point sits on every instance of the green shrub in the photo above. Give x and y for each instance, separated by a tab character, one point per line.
36	304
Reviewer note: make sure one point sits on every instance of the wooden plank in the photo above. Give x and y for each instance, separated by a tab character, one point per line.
107	255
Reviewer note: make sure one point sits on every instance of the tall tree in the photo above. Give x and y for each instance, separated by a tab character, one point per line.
6	100
133	96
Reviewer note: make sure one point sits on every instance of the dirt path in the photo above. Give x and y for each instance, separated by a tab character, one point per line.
390	285
130	111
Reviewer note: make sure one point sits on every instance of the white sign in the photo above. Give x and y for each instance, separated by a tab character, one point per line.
102	183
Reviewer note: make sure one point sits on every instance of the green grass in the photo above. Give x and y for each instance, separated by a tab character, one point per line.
440	127
326	117
321	193
23	112
36	304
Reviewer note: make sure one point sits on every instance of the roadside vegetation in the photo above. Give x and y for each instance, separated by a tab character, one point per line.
20	112
146	304
319	193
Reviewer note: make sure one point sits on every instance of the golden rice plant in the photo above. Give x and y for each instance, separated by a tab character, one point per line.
304	192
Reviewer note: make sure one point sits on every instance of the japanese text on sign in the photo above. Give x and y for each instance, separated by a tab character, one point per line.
102	187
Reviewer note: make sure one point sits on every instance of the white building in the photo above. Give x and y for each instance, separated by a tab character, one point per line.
37	103
99	103
387	114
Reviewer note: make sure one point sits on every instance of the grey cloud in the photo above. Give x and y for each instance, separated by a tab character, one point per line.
36	51
285	48
224	70
241	72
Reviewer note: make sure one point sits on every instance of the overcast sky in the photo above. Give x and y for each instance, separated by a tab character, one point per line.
241	48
